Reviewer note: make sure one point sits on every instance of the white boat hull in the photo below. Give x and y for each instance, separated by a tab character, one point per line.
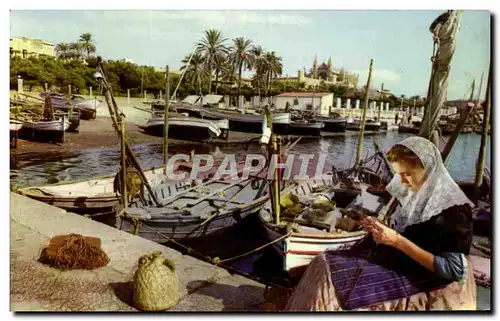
47	126
92	104
298	249
15	125
185	128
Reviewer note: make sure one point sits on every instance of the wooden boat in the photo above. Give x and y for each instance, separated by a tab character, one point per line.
74	119
185	128
332	124
306	128
197	211
408	129
15	126
249	122
370	125
312	237
87	107
52	130
94	195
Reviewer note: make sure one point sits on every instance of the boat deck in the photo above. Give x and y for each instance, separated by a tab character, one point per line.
36	287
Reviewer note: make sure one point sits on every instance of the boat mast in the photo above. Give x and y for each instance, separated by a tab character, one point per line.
117	119
482	149
444	29
165	119
464	114
363	118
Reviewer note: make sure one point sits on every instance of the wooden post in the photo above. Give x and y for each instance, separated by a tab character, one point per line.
275	187
160	94
460	125
124	162
46	85
482	149
114	114
90	91
63	131
128	96
69	90
145	94
382	103
165	120
20	87
363	118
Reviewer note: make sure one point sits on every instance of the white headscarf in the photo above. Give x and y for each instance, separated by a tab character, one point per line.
438	193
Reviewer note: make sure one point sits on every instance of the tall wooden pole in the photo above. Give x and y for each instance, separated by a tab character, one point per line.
123	161
363	118
165	120
464	114
482	149
380	106
115	117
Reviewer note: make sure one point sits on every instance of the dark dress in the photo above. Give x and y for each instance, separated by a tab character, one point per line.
370	273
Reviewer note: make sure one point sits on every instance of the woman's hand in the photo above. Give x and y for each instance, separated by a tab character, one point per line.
381	234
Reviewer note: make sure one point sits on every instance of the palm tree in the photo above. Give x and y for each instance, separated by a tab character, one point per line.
63	50
75	50
240	56
274	68
87	43
196	70
213	49
221	64
258	62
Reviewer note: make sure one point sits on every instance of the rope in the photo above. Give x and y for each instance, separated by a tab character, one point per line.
257	249
97	214
216	261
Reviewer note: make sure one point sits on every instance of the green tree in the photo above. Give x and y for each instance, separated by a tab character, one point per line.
86	43
240	56
213	49
196	70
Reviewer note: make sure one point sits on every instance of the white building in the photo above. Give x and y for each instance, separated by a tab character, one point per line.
306	101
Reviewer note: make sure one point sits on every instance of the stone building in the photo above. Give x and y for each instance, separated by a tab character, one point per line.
26	47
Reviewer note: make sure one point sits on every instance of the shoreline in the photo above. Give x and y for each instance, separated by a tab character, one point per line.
99	133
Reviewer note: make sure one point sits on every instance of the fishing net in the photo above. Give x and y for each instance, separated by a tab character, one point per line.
374	171
74	251
155	283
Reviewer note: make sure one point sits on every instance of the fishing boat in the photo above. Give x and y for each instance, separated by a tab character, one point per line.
198	211
94	195
370	125
312	236
185	128
15	126
356	187
52	130
250	123
332	124
74	119
408	129
87	107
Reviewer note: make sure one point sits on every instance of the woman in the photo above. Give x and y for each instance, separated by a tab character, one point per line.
418	263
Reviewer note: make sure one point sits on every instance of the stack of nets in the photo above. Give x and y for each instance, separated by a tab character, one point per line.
74	251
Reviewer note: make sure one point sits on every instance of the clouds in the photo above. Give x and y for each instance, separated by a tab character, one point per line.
219	18
379	75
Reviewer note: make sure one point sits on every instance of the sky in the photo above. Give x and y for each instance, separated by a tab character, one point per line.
399	41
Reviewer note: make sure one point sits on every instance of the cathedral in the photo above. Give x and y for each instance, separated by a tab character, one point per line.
325	71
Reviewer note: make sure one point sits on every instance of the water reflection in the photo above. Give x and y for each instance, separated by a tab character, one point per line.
341	152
